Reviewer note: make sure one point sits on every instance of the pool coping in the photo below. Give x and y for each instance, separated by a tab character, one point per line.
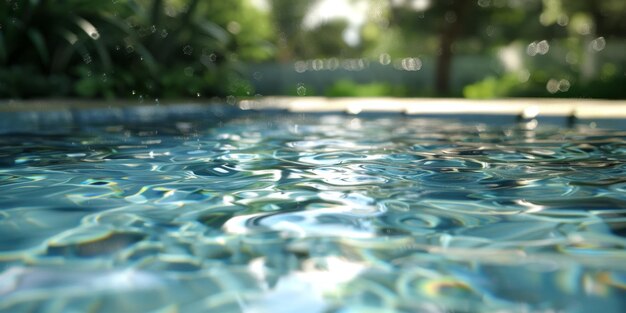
528	107
44	115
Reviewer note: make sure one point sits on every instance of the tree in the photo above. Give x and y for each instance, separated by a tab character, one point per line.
288	16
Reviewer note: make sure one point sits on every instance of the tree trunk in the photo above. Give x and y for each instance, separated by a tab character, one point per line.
450	31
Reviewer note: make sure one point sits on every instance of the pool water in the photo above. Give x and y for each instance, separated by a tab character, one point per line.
314	213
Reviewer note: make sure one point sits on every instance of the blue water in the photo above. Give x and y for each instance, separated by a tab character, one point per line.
326	213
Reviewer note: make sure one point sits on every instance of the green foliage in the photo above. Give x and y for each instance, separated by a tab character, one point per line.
185	48
509	85
492	87
348	88
134	48
324	41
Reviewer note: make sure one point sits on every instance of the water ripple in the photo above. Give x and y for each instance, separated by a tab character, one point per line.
398	214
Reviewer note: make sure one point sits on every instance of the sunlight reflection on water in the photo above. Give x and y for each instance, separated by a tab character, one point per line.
256	215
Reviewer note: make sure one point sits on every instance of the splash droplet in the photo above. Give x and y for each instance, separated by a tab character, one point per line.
233	27
301	90
300	66
564	85
188	50
411	64
552	86
543	47
384	58
598	44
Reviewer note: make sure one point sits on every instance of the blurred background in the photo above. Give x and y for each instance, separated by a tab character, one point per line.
148	50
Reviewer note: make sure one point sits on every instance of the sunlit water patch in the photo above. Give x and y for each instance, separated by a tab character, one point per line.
327	213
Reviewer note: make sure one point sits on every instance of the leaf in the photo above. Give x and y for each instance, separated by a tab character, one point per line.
88	28
147	57
214	30
104	55
40	45
62	57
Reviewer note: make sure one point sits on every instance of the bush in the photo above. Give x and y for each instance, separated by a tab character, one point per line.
510	86
492	87
113	49
348	88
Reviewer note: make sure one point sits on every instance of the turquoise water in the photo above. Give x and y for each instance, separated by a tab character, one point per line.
324	213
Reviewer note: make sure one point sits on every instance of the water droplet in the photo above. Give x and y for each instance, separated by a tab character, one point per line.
188	50
233	27
317	64
153	29
301	90
130	49
140	98
86	58
384	59
300	66
164	33
571	58
582	25
198	94
156	100
543	47
411	64
104	77
598	44
332	64
564	85
132	92
563	20
552	86
450	17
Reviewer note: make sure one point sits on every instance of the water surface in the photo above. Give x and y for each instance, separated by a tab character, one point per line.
323	213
